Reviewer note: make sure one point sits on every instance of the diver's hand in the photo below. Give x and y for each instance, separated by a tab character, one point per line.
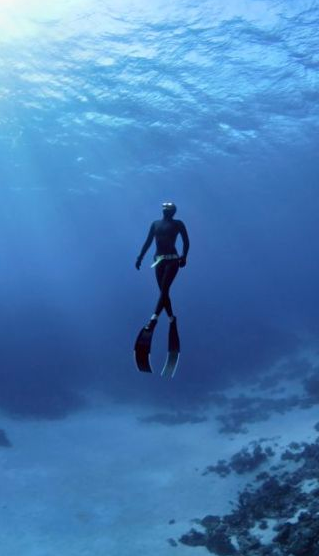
182	262
138	263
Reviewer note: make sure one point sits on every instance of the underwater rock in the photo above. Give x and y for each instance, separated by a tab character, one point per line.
279	498
210	521
311	386
220	544
172	542
245	410
272	499
232	425
244	461
215	539
307	452
4	440
262	476
193	538
301	538
222	468
248	543
294	445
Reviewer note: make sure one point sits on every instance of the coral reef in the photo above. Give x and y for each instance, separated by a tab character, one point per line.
244	461
288	500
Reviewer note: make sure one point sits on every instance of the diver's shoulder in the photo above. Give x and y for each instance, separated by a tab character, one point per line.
180	223
156	224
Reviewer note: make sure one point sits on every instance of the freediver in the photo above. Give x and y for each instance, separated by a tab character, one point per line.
166	259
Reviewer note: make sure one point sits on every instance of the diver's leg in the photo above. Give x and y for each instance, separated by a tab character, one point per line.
165	274
159	272
165	277
172	270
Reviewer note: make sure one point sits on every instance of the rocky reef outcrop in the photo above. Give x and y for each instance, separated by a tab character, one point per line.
277	515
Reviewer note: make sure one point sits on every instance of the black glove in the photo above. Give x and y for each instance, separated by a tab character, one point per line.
138	263
182	262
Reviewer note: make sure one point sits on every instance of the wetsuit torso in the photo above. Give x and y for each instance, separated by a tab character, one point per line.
165	232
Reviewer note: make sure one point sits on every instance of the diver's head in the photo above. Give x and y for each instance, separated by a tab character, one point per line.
169	210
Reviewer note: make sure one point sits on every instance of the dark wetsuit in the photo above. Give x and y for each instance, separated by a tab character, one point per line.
165	232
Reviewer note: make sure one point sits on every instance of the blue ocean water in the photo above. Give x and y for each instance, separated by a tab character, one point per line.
107	109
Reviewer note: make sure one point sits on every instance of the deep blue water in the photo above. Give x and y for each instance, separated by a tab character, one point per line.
108	110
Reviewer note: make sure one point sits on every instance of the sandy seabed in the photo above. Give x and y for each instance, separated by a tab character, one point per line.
103	482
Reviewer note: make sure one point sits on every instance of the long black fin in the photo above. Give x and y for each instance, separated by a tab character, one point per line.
142	351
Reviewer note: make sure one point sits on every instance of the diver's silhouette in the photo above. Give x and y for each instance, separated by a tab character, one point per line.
167	260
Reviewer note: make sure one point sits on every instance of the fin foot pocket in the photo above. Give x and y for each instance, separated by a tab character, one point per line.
142	350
